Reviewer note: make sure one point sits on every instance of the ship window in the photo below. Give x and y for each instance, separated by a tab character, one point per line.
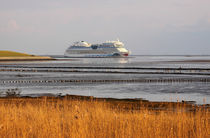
94	47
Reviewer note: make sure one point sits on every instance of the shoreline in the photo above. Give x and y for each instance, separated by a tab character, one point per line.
136	103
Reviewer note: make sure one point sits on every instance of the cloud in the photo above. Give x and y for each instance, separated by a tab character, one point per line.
10	26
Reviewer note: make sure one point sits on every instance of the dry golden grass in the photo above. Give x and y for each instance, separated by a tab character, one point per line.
13	54
54	118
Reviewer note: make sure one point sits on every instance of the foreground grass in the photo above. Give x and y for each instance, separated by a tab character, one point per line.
54	117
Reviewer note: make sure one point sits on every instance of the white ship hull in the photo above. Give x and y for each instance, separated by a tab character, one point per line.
88	55
84	49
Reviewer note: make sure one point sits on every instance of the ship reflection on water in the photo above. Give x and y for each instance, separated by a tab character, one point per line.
101	61
122	60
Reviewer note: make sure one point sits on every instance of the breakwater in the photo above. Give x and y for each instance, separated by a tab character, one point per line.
169	80
180	75
184	71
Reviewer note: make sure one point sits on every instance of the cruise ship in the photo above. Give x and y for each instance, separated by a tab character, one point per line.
106	49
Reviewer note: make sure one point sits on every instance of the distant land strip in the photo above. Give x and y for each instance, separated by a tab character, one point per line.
24	58
16	56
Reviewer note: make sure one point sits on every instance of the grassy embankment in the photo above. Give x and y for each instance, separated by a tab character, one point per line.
10	56
55	117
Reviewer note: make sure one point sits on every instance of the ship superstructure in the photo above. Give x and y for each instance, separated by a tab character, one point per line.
106	49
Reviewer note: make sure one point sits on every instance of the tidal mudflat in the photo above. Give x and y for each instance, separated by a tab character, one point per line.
154	78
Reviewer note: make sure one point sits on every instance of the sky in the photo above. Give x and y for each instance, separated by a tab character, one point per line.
146	27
